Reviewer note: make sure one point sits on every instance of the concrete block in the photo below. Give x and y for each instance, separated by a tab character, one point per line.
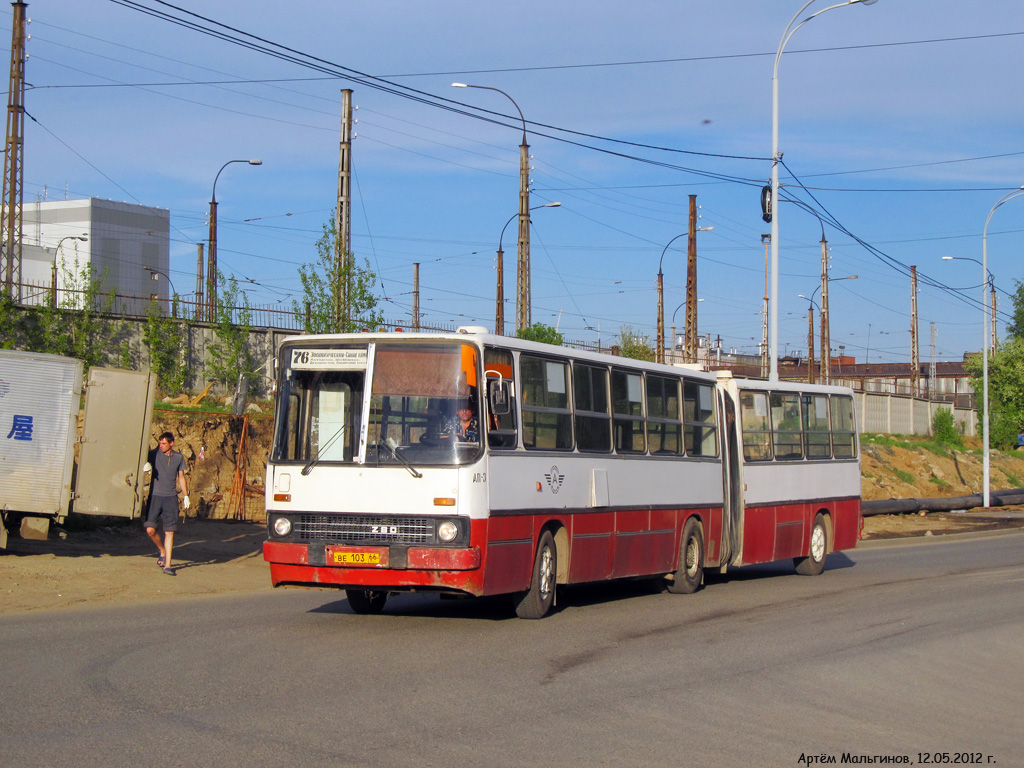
35	528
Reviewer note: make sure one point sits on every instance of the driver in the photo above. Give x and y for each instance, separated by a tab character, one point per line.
463	426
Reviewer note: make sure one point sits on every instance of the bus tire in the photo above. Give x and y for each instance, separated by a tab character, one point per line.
814	563
367	601
538	601
690	576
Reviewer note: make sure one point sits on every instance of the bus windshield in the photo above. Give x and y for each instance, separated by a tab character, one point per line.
423	404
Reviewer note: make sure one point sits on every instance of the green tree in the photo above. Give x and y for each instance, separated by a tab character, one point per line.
542	333
322	284
80	325
10	321
1015	328
634	344
166	339
944	429
1005	390
229	356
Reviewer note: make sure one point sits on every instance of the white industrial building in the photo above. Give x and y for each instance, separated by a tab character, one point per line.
126	245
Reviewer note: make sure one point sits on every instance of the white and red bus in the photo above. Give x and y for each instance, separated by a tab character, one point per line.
575	467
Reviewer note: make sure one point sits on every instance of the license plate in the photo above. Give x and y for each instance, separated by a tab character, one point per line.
357	558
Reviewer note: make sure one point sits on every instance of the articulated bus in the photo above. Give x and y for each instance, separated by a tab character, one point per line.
472	464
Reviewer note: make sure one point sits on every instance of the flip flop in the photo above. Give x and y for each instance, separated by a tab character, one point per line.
169	572
160	561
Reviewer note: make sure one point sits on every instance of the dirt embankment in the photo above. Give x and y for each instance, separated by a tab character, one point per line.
903	468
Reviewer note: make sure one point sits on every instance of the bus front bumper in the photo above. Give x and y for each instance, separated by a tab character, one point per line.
398	568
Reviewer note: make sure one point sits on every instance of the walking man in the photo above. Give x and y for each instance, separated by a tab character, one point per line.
168	468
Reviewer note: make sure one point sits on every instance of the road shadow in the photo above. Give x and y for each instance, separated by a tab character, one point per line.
196	542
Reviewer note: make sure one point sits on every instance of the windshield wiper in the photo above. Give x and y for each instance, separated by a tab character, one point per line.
316	459
392	447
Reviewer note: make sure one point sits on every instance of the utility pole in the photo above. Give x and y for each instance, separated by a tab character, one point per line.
499	302
826	342
415	296
523	320
915	359
995	338
931	372
767	240
199	282
14	155
691	285
343	218
810	343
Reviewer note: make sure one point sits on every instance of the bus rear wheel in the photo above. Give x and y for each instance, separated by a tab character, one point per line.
814	563
538	601
366	600
690	576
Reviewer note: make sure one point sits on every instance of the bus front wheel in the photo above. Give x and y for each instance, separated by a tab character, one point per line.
690	576
538	601
366	600
814	563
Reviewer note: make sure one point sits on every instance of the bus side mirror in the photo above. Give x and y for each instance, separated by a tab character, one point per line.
497	396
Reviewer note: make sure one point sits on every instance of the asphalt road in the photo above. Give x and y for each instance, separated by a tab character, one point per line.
893	651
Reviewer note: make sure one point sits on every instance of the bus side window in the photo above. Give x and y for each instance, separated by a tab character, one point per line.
787	424
844	429
756	426
699	413
500	422
817	441
547	415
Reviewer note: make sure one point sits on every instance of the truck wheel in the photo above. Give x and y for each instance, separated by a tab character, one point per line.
814	563
538	601
366	600
690	576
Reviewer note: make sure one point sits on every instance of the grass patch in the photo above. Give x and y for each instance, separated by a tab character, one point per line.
906	477
1014	480
939	482
939	449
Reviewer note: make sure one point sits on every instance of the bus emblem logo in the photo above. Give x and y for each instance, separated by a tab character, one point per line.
554	479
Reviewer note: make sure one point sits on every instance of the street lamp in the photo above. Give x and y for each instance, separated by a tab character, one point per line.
211	261
826	321
53	276
154	274
523	268
810	336
499	310
985	274
773	339
660	353
674	312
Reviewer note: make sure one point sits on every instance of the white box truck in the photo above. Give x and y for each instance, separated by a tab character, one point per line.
40	401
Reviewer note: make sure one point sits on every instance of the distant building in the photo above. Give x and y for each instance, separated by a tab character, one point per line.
126	245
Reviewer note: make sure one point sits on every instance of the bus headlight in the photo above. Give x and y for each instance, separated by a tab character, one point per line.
282	526
447	531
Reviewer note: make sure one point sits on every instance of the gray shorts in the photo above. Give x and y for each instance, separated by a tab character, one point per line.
163	509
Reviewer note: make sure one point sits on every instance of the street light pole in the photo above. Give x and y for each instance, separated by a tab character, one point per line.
56	251
773	342
154	273
211	260
810	336
985	276
659	355
499	310
523	295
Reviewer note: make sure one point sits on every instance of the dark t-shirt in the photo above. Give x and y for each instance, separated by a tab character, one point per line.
165	472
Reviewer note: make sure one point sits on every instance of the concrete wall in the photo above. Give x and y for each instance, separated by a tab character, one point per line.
902	415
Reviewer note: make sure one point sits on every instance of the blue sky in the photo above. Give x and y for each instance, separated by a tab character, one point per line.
901	120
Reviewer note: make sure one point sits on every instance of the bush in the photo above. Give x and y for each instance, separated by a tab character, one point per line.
944	429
